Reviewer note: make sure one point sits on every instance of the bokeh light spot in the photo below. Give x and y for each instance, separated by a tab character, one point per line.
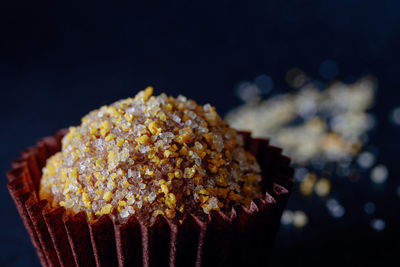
322	187
287	217
335	209
366	159
395	116
299	174
247	91
379	174
378	224
300	219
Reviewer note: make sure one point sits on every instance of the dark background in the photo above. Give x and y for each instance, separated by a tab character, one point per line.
60	60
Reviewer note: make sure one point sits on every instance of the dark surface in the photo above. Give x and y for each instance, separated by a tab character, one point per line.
58	61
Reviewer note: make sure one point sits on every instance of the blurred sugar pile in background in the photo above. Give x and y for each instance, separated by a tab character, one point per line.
324	127
329	124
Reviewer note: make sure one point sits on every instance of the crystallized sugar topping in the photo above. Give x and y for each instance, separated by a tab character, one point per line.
151	155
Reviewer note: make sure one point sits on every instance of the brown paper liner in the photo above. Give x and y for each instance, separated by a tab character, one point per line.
244	238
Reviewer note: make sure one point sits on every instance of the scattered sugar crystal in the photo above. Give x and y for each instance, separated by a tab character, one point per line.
311	123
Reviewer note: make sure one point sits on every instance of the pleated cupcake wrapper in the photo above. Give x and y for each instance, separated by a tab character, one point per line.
244	238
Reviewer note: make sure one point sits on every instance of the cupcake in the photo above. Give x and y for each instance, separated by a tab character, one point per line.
151	181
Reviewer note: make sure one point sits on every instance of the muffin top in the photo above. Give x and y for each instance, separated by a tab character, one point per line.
151	155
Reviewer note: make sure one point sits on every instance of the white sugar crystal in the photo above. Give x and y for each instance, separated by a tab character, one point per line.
176	118
206	210
143	149
130	201
181	98
218	142
130	210
110	185
152	197
207	107
131	110
119	194
197	160
213	202
202	130
188	123
54	189
124	213
124	154
191	104
69	161
192	114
